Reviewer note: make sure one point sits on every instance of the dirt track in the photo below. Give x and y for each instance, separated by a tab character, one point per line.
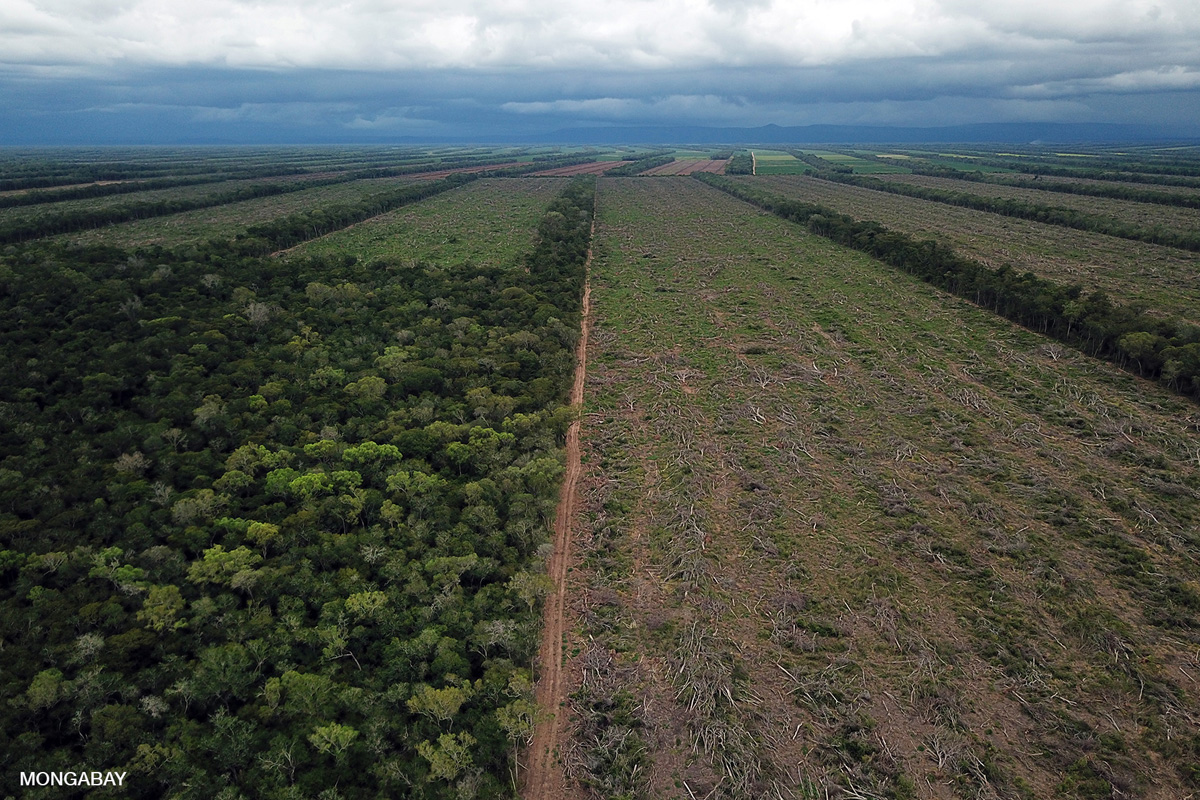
545	779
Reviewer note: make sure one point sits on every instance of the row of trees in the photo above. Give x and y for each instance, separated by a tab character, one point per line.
272	528
641	165
741	164
1153	346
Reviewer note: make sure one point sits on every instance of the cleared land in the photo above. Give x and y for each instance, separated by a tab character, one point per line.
1163	277
442	173
488	222
595	168
845	531
1147	214
225	221
688	166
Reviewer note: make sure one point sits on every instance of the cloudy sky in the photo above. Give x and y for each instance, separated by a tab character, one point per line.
357	70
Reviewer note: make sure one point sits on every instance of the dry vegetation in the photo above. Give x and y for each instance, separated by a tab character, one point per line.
1162	277
849	537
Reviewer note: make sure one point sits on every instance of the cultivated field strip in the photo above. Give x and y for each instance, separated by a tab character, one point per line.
1146	214
848	536
226	221
1162	277
489	222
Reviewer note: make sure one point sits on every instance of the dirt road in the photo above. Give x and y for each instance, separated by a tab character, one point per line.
544	779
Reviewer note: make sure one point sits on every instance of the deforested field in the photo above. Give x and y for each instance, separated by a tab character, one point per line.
687	166
1163	277
844	533
867	496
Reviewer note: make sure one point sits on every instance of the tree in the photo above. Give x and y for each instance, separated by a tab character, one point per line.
160	609
449	757
222	567
439	705
333	739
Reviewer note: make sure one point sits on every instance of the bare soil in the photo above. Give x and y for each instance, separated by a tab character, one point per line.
594	168
688	166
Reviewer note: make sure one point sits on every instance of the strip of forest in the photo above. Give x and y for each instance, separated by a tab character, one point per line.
641	165
1158	348
287	536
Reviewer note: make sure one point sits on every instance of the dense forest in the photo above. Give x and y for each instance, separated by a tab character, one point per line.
271	528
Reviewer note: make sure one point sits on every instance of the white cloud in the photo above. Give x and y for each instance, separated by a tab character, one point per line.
1167	79
617	34
392	65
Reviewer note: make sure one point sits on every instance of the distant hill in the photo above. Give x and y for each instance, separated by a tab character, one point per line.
775	134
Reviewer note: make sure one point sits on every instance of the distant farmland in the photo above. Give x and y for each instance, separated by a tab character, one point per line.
772	163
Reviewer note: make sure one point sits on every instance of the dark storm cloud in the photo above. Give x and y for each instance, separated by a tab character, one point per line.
90	70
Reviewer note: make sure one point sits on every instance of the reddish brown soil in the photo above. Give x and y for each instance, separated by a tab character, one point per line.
430	176
545	779
688	166
594	168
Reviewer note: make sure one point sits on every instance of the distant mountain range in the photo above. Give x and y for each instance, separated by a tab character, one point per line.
116	133
774	134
